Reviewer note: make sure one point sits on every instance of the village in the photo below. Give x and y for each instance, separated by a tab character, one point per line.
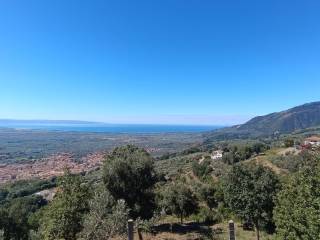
50	167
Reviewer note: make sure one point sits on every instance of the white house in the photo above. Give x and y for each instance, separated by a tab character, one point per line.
216	155
313	141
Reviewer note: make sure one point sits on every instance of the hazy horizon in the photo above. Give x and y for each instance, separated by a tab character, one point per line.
223	122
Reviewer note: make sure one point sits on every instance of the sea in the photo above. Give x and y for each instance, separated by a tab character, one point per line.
113	128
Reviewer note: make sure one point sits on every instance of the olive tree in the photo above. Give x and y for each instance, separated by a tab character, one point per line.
178	199
129	174
297	208
107	218
62	218
249	191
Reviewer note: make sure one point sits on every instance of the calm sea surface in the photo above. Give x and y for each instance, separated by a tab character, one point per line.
114	128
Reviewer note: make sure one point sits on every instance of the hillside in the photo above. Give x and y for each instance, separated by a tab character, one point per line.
288	121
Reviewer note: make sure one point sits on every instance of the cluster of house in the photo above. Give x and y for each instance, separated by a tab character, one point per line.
313	141
50	166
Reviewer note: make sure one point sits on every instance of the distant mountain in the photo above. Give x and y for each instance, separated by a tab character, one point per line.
288	121
40	122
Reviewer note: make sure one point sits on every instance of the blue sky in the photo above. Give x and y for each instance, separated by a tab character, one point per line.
168	61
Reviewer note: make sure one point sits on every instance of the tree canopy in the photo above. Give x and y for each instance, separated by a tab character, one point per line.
129	174
179	200
14	216
298	206
249	191
62	218
107	218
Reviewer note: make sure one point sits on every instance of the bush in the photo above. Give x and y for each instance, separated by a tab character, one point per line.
107	218
206	215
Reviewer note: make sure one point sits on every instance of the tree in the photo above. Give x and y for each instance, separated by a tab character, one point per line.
62	218
107	218
14	216
249	191
259	147
180	200
207	194
297	208
202	170
289	142
129	174
240	152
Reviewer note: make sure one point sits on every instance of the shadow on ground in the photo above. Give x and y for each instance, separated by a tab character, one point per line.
183	229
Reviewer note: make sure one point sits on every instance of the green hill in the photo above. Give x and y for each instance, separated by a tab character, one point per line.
288	121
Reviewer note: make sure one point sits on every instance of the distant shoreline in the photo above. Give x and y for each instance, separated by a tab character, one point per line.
113	128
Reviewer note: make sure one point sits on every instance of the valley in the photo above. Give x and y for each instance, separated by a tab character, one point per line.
189	182
26	154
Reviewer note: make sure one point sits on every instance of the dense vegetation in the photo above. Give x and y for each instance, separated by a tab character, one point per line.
298	206
245	185
24	188
235	153
129	174
249	191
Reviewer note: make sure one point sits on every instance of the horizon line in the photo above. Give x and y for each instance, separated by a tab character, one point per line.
79	122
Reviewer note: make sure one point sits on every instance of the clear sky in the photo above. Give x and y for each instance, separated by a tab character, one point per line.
157	61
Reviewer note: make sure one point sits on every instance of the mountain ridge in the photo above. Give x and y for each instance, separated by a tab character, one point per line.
283	122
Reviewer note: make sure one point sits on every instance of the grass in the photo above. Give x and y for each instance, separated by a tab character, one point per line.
241	234
202	235
264	160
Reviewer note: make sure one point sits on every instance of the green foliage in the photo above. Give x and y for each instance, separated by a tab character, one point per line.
289	142
239	152
203	169
107	218
62	218
206	215
297	208
293	163
129	174
24	188
185	152
249	191
176	165
178	199
207	194
14	216
191	150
